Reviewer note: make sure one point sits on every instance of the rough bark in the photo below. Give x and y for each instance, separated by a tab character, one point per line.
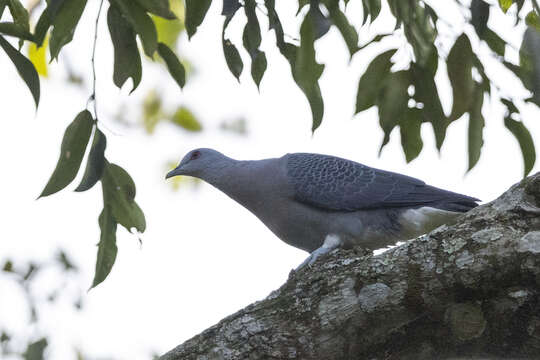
466	289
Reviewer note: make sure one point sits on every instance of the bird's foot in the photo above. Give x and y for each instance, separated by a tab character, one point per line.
331	242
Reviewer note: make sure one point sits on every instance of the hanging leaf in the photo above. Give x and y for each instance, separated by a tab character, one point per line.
345	28
64	23
158	7
232	57
494	41
119	194
195	13
526	143
479	16
411	138
371	81
141	23
476	127
20	16
38	57
176	69
426	93
306	70
16	30
107	249
421	34
46	19
72	150
374	7
24	67
275	24
127	60
505	5
252	40
169	30
321	24
95	163
459	65
35	350
185	118
392	102
230	7
530	62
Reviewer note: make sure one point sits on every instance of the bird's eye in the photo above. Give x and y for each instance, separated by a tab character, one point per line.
195	155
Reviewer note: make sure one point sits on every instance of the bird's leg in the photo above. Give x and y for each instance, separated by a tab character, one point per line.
330	243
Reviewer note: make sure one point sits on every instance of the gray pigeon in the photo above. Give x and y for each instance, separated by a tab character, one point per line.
319	202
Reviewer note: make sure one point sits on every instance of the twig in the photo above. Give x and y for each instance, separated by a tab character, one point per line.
93	96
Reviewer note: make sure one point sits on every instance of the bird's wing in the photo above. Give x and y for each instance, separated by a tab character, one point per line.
334	183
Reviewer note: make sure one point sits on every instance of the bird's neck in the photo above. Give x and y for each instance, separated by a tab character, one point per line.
237	179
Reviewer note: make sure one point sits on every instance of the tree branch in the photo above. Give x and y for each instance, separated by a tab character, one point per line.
466	289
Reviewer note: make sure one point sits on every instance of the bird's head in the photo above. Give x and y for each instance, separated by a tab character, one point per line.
197	163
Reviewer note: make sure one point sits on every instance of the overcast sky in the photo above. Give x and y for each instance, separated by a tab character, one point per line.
203	256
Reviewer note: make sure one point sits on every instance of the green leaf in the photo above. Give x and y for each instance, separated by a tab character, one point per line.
530	62
411	138
230	7
372	80
421	34
532	20
95	163
476	127
195	13
274	23
392	102
141	23
252	40
14	29
46	19
232	57
19	14
185	118
320	23
505	5
168	30
107	249
374	7
3	5
494	41
345	28
74	144
35	350
127	60
119	194
427	94
64	23
158	7
459	65
525	140
306	70
24	67
479	16
176	69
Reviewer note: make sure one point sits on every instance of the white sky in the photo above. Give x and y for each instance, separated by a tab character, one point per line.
203	256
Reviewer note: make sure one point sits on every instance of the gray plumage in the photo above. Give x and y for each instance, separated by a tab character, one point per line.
319	202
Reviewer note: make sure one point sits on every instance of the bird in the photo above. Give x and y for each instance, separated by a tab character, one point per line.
318	202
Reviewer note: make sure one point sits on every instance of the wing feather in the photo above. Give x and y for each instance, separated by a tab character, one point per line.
334	183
